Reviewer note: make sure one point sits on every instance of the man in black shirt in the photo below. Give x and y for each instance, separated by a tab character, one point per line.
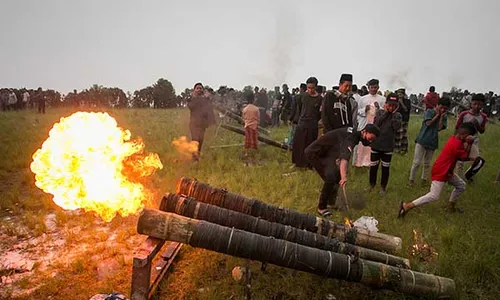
306	131
330	154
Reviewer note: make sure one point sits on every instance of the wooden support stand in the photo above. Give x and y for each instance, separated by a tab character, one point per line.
146	274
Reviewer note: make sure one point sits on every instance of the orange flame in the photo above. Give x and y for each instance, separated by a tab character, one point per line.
88	162
348	223
186	147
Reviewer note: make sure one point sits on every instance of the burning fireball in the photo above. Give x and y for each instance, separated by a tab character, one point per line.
89	162
186	147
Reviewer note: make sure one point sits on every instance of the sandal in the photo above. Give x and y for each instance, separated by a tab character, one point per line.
325	213
402	211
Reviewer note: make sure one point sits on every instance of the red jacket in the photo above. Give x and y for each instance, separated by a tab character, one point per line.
431	100
443	168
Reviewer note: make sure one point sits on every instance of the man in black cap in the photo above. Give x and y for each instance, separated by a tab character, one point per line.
389	121
329	156
339	108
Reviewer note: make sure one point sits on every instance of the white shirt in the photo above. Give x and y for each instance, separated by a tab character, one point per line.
26	97
369	100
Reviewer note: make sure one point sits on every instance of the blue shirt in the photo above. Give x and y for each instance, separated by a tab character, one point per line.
428	136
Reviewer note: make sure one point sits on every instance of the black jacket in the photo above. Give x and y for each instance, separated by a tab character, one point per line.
388	123
336	113
333	145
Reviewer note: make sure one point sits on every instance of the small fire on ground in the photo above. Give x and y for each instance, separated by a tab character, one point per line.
348	223
185	147
420	249
90	163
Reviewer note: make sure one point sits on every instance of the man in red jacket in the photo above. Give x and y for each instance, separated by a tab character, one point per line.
431	99
443	170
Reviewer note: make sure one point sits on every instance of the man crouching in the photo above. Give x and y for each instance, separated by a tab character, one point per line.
329	156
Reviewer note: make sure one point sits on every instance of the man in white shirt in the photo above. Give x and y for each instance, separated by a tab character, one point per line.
368	106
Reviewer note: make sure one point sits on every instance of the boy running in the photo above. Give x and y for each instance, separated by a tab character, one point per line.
443	170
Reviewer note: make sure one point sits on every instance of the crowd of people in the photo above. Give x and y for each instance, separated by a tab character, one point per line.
330	130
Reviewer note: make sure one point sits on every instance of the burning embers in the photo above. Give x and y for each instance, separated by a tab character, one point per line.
89	162
421	249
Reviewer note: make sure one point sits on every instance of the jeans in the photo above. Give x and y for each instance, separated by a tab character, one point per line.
424	155
437	187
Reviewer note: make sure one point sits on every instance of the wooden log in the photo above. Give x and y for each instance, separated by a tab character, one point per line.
260	138
189	207
219	197
249	245
237	118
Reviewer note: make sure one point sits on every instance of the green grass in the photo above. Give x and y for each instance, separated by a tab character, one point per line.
466	243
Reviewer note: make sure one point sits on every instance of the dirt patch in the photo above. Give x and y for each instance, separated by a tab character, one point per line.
84	246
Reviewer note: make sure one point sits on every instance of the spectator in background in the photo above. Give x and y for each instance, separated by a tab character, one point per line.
427	140
431	99
26	99
404	108
251	117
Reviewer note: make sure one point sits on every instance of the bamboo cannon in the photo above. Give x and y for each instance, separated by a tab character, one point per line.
219	197
260	138
237	118
239	243
189	207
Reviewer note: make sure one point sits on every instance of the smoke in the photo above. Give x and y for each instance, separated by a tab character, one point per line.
282	45
400	78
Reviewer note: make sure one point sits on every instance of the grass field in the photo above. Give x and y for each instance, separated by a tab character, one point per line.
467	244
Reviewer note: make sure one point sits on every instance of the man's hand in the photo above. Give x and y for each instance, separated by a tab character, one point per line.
438	112
343	182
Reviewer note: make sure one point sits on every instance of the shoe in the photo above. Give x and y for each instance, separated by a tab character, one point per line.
411	183
325	213
451	208
402	212
369	189
383	191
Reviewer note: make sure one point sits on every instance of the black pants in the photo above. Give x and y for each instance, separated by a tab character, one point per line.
376	157
41	107
197	134
330	173
304	135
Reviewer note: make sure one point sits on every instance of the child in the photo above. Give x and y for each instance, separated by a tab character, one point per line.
389	121
427	141
443	170
478	119
251	116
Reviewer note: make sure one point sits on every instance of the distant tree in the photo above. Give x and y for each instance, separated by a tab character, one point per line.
143	98
164	94
247	90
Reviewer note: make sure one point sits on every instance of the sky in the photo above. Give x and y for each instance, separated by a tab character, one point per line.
68	44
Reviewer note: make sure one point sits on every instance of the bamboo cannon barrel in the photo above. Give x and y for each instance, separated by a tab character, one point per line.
260	138
189	207
239	243
237	118
219	197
